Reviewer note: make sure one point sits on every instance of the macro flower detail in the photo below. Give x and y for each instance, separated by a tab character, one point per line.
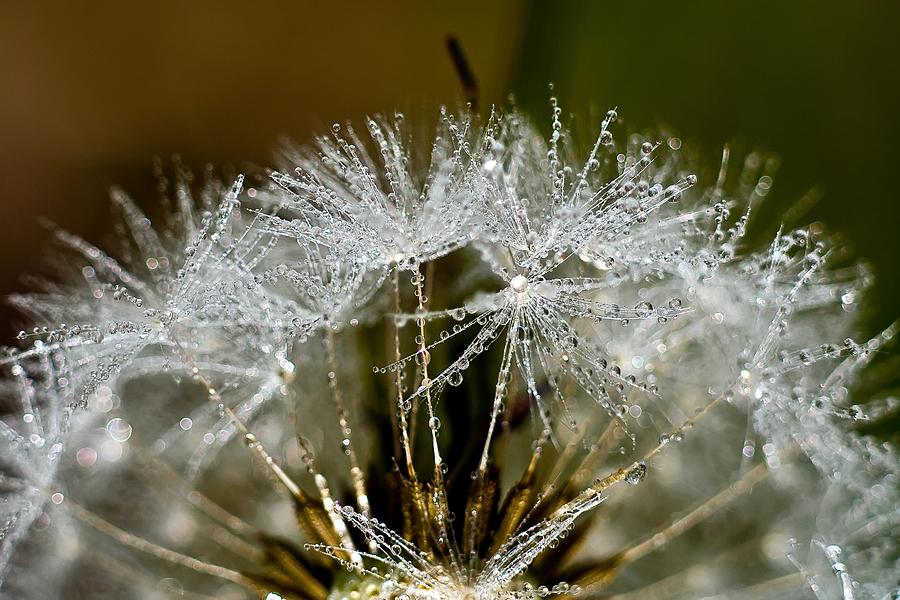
390	204
31	452
199	289
483	364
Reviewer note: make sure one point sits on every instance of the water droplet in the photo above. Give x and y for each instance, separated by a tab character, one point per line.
519	284
119	429
636	474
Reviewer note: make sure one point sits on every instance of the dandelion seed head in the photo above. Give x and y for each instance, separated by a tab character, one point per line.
654	378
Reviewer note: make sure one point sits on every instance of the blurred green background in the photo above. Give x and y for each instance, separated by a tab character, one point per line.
91	92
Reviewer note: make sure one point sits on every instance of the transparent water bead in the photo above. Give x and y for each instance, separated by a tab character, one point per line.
636	474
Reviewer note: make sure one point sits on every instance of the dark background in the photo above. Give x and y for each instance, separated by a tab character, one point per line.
91	93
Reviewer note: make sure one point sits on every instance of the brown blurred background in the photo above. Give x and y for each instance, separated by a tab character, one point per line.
91	92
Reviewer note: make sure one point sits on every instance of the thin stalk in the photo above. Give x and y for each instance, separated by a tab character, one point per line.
698	514
337	521
499	395
423	357
620	475
439	495
138	543
402	411
312	524
198	500
356	473
550	492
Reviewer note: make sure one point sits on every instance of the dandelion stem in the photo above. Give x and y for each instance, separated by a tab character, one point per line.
772	588
424	358
199	500
499	395
104	560
334	515
679	582
439	497
309	514
401	410
139	543
698	514
637	466
356	473
550	492
515	510
567	454
416	519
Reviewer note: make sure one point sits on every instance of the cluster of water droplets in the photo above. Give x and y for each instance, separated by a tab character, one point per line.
32	442
614	280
